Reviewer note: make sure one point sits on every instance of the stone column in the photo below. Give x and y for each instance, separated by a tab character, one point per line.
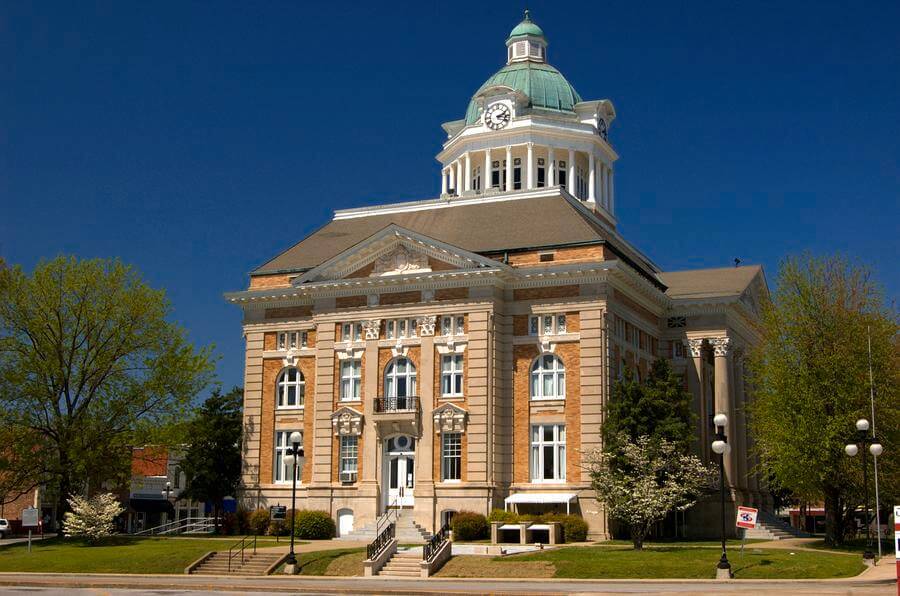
468	173
570	179
612	193
509	169
551	167
444	182
459	179
529	173
487	170
592	178
722	347
695	386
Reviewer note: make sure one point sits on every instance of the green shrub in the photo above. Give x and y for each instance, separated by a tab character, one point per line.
259	522
501	515
468	525
229	524
242	521
281	527
314	525
575	529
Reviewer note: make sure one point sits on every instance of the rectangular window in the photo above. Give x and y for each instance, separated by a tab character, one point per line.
451	456
349	457
561	175
282	445
282	341
547	324
351	378
400	328
351	331
517	173
541	173
548	453
453	325
452	375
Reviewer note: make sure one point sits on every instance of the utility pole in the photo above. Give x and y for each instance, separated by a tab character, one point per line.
874	457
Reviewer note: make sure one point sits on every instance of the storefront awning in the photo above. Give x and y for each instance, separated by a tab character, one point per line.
543	498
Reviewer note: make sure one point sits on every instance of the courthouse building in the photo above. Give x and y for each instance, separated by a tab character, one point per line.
455	353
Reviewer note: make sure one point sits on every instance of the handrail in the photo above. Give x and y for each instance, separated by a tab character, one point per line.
402	403
380	542
179	525
241	545
393	510
434	545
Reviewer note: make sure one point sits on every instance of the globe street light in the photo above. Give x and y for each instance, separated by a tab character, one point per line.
292	459
875	448
721	447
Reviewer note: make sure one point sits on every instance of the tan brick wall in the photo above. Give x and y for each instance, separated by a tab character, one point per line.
400	298
566	254
349	301
289	420
276	280
546	292
637	308
288	312
270	340
451	294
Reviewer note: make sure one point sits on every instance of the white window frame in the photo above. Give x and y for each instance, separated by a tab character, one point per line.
282	446
391	374
292	340
352	331
558	450
547	324
400	328
540	373
349	454
282	386
351	379
453	325
451	453
452	374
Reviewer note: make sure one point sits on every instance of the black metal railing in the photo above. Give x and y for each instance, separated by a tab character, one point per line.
432	547
380	543
238	548
407	403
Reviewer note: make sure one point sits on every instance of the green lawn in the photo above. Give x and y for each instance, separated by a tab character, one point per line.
120	554
343	561
658	562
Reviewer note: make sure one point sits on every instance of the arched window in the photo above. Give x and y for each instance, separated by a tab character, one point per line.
548	378
290	388
399	382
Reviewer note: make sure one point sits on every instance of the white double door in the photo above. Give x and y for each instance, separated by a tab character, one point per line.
401	480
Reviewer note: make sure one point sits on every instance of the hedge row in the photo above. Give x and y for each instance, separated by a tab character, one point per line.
308	524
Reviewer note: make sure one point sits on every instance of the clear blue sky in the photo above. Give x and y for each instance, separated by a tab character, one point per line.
196	140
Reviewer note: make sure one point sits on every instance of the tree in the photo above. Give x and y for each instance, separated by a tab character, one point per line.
212	463
88	365
92	518
640	481
811	383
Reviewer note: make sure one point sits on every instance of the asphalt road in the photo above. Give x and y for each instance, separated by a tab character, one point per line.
92	585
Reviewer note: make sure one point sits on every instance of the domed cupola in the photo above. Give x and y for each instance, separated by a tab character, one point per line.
526	42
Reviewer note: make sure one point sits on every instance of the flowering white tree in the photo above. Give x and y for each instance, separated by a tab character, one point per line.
92	518
640	481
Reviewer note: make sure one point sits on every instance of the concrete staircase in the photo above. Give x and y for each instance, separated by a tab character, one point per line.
768	527
403	564
254	564
407	532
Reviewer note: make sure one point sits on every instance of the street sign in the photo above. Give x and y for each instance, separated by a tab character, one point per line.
30	518
277	513
897	543
746	517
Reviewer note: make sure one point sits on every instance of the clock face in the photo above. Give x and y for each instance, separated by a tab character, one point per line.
497	116
601	129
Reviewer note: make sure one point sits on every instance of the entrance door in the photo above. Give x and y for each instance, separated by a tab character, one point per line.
400	471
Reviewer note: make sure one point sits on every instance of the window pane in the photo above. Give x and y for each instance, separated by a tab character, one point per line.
548	433
291	395
548	324
533	326
561	385
458	381
562	433
548	462
535	463
460	324
548	385
535	385
562	463
281	341
561	323
345	389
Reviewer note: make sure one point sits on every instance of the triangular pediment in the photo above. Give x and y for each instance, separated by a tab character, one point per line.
396	251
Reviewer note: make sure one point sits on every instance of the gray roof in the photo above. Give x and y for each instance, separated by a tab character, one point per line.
709	283
491	226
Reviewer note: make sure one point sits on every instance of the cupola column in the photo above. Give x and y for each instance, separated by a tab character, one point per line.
459	178
487	170
444	174
592	178
551	166
509	169
530	167
603	198
451	173
468	166
570	179
612	193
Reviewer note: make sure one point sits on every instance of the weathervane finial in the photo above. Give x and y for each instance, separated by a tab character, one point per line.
527	15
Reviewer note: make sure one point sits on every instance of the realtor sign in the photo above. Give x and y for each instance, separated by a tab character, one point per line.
746	517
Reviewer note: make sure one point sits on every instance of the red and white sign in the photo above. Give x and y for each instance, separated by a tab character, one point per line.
746	517
897	543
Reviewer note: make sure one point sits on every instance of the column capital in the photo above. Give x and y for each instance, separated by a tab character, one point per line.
696	346
721	345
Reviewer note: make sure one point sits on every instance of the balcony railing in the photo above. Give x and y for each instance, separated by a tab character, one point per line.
408	403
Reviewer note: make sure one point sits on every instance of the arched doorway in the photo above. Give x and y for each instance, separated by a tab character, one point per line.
399	471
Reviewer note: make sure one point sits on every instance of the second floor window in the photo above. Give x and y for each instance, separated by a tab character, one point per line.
453	325
292	340
400	378
351	377
554	324
352	332
548	378
451	375
290	388
400	328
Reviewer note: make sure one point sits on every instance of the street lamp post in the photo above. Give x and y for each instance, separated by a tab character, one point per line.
295	452
721	447
875	448
166	493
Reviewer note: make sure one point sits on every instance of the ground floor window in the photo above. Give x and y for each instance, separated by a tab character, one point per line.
548	453
349	457
451	456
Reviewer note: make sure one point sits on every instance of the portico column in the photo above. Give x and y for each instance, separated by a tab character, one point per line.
468	173
551	165
487	170
695	386
529	174
722	347
592	178
612	192
570	179
444	181
509	169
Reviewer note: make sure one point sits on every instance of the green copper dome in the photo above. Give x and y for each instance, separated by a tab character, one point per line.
545	87
526	27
